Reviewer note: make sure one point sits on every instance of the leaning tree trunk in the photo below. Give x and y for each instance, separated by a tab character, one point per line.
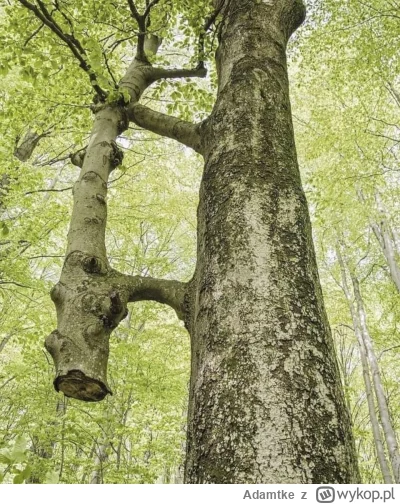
266	404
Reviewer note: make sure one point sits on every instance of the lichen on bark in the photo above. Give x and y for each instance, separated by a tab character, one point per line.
266	404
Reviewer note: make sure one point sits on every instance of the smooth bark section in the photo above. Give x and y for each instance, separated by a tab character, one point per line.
169	292
266	403
91	298
378	442
384	413
88	310
87	306
28	144
178	73
184	132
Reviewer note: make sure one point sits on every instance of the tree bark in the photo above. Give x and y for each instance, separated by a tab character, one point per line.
384	413
91	298
385	238
376	430
96	477
266	403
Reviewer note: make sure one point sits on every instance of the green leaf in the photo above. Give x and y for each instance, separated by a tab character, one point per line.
52	478
18	479
5	458
4	229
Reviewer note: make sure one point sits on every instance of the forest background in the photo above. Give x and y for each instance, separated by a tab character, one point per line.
345	93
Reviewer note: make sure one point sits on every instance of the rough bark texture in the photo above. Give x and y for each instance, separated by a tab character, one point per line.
266	404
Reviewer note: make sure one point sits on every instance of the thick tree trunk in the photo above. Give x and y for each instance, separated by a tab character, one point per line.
91	298
266	404
376	430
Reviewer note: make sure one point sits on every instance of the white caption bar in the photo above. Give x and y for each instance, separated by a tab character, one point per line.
196	494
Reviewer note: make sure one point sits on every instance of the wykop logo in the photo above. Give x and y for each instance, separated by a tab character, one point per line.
325	494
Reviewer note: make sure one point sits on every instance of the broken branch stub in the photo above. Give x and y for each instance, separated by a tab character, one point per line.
87	312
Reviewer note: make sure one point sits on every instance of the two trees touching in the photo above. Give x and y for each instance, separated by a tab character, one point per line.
268	402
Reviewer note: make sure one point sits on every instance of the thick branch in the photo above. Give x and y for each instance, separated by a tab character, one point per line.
135	12
152	4
30	141
184	132
78	157
169	292
177	73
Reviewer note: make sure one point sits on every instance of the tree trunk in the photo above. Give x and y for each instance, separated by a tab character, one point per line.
378	442
384	412
96	477
387	241
266	404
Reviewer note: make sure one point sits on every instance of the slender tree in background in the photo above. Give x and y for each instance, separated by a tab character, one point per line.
358	330
266	403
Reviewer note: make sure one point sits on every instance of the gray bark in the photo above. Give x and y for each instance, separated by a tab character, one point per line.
101	456
384	413
386	240
91	298
30	141
266	404
376	432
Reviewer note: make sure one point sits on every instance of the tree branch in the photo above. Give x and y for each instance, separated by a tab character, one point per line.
141	21
169	292
7	381
30	141
149	7
208	22
177	73
49	190
74	45
184	132
135	12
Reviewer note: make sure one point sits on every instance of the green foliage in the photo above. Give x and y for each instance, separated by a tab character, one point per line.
345	77
345	92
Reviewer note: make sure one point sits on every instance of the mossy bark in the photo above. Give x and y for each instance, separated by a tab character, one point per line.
266	404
